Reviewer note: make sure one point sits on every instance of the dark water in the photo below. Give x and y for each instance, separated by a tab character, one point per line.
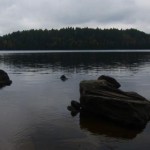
33	110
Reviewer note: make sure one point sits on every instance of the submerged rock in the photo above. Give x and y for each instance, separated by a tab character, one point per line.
4	79
102	99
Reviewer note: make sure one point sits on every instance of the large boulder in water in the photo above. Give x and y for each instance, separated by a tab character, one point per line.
4	79
103	100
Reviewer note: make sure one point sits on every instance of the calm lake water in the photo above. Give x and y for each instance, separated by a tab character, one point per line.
33	110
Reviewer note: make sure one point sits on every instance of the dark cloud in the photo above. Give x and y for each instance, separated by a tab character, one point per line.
27	14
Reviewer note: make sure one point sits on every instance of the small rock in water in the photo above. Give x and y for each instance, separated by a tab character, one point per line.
73	111
63	78
75	104
74	108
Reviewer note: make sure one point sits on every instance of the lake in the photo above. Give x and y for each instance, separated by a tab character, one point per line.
33	110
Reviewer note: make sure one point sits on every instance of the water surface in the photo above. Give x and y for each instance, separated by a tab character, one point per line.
33	110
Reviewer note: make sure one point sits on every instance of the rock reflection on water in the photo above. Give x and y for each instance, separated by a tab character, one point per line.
99	126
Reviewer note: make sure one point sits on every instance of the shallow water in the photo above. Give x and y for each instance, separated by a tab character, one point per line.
33	110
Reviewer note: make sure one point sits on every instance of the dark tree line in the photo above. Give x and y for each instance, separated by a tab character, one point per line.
75	38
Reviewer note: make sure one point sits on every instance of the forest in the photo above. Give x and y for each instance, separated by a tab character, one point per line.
75	39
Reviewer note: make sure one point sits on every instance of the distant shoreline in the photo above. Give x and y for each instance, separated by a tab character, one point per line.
73	51
76	39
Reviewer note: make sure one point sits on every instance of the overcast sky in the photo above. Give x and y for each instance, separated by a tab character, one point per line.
47	14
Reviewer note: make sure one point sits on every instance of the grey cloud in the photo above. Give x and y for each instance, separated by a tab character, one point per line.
27	14
97	10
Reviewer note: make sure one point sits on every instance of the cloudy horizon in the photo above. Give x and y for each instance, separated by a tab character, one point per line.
47	14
